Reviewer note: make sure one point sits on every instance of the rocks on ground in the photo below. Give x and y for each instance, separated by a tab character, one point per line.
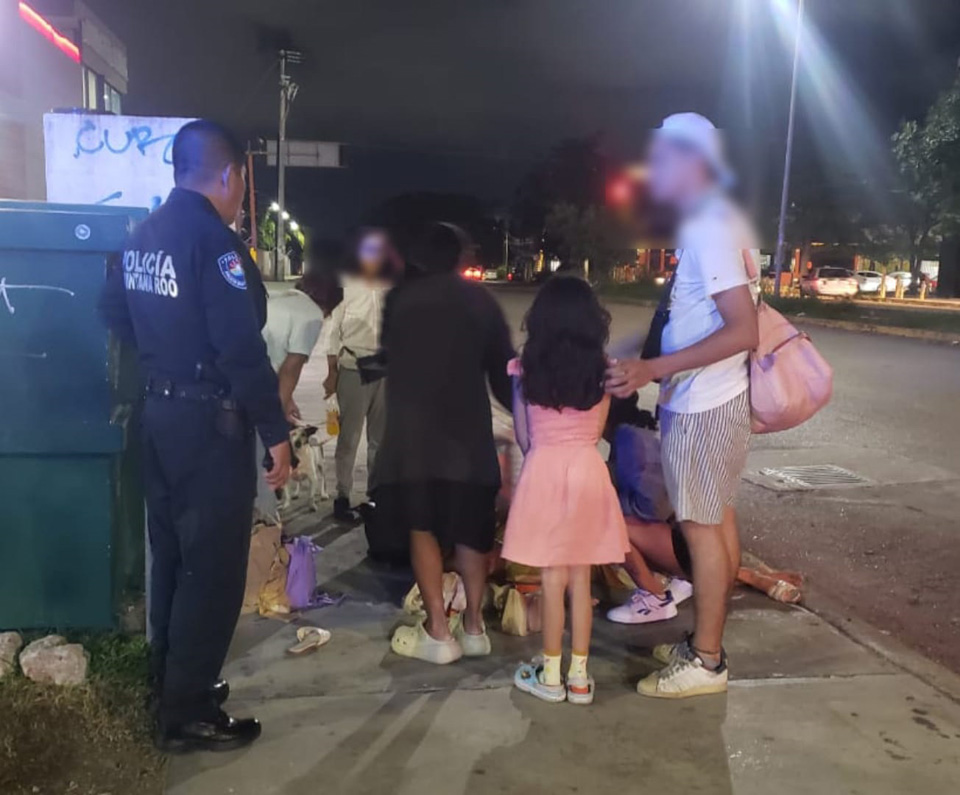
51	660
10	645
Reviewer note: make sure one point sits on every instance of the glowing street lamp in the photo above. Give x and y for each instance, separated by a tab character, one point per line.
294	226
274	207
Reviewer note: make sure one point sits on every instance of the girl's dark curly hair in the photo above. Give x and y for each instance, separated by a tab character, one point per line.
563	359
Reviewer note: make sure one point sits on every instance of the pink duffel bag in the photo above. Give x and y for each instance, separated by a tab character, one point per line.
789	380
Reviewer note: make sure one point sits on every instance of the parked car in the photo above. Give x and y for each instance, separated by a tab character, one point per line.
902	276
829	282
870	282
490	275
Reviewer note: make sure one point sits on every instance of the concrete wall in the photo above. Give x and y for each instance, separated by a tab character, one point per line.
35	77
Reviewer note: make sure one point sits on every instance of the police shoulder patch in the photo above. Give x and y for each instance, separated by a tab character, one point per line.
231	268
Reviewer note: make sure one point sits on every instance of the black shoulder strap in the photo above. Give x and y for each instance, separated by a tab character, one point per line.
651	345
664	302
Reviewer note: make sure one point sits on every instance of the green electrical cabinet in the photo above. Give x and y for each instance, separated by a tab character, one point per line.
71	503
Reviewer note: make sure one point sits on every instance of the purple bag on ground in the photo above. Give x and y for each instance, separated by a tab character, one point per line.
302	572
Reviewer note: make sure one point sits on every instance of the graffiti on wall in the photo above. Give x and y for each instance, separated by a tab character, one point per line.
101	159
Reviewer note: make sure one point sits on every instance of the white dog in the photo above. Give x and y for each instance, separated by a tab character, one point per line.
308	450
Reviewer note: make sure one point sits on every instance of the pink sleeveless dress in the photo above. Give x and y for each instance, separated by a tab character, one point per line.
565	510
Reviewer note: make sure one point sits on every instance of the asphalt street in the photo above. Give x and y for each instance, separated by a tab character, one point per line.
888	551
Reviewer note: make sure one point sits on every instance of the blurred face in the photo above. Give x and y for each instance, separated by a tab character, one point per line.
372	253
672	171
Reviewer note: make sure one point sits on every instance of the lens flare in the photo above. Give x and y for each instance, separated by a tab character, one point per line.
834	110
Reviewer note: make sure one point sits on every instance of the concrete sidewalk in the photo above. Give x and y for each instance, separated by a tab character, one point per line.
809	709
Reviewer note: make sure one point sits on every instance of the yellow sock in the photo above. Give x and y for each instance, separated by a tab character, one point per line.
551	669
578	666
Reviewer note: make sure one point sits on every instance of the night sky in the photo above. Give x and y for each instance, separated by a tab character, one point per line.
463	95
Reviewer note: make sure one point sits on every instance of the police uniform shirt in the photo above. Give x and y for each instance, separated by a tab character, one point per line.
186	295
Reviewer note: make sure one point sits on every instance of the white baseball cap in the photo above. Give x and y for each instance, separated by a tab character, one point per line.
700	134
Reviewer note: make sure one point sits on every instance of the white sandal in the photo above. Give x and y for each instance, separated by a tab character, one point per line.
309	639
417	643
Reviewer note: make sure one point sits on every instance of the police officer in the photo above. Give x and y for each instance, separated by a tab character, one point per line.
183	295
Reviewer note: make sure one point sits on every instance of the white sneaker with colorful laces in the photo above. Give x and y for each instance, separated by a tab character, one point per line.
644	607
684	677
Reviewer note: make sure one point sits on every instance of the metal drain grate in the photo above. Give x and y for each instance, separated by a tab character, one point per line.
815	476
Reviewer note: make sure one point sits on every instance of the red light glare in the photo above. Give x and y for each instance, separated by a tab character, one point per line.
619	191
49	32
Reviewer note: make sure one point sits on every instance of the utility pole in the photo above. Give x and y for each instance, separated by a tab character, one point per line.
288	92
788	160
253	199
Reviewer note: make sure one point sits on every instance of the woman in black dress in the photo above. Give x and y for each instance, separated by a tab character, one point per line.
437	471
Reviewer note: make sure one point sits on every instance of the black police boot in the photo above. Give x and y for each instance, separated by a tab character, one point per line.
220	691
223	734
342	511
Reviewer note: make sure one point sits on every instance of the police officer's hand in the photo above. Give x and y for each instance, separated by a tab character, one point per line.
277	477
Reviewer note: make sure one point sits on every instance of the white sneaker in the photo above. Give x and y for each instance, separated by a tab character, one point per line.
666	653
644	607
680	590
685	677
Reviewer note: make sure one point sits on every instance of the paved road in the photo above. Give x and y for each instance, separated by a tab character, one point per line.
887	552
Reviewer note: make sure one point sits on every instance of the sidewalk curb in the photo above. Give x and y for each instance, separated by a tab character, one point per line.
912	662
942	337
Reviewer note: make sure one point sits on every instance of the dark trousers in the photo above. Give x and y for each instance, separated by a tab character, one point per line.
200	483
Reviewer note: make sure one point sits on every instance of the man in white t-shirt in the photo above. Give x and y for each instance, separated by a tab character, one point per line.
294	325
294	322
704	398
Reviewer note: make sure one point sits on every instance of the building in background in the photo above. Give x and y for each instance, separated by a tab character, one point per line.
54	55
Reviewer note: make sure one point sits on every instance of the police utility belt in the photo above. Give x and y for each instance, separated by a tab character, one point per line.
230	419
202	392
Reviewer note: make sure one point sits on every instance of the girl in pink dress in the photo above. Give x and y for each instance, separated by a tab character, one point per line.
565	515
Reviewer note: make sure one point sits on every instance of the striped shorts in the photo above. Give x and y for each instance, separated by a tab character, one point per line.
703	457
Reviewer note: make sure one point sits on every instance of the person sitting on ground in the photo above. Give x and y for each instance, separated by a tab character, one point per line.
437	474
658	561
565	516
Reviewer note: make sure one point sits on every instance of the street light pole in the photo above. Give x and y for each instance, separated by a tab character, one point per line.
254	242
785	195
288	92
